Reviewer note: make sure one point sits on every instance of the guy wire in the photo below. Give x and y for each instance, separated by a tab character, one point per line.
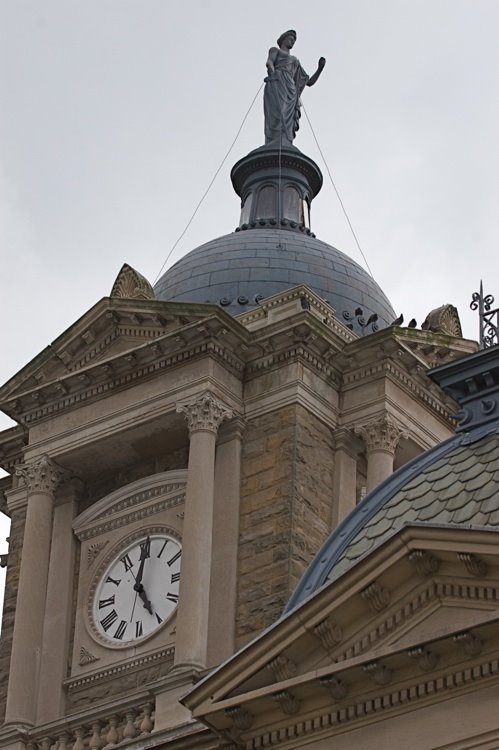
338	195
209	186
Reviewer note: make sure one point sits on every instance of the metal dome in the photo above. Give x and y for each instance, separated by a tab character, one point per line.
240	269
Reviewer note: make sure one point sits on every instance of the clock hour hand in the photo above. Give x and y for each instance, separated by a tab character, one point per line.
142	594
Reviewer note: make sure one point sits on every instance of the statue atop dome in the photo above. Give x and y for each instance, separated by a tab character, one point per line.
284	84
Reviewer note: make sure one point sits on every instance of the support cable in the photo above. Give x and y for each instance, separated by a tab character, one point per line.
209	186
338	195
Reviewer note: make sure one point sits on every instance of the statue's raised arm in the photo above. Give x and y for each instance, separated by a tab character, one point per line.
284	84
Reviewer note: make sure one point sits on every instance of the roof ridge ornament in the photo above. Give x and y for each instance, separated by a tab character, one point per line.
130	284
488	318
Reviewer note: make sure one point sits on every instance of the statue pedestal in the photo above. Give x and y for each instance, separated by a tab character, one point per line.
276	187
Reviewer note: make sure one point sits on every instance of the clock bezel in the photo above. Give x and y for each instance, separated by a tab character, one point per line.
108	560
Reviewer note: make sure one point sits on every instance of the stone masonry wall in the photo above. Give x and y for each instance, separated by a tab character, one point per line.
286	495
312	501
9	607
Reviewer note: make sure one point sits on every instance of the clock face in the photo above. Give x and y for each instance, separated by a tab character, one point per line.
139	590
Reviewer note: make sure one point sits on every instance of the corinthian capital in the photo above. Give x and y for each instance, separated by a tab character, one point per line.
381	434
40	475
205	414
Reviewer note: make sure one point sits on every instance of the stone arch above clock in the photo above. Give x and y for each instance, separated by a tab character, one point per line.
145	506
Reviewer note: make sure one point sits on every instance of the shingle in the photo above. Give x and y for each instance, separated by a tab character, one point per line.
465	513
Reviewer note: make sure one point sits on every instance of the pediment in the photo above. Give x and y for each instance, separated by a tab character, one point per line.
114	336
383	614
139	499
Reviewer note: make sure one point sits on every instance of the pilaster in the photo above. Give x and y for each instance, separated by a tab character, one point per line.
347	449
57	621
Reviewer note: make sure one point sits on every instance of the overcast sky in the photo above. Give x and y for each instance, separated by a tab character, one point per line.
115	114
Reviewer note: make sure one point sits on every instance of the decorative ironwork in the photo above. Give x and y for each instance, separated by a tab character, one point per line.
358	317
488	317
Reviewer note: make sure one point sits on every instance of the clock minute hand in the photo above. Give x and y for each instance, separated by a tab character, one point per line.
144	554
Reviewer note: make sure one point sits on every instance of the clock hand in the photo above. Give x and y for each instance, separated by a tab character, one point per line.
145	552
142	594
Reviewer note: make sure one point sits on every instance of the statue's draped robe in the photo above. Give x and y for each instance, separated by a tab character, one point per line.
281	100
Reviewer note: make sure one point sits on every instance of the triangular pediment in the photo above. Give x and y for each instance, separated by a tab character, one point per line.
424	599
115	334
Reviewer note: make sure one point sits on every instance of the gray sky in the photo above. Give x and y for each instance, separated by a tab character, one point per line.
116	114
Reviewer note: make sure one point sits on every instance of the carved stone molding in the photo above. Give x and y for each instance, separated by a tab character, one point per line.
41	475
382	434
376	596
241	718
282	667
378	672
425	659
86	657
205	413
130	284
470	644
93	551
444	320
329	633
288	702
475	566
425	563
336	687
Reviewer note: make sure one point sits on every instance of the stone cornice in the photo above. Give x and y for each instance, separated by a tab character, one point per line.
111	672
104	378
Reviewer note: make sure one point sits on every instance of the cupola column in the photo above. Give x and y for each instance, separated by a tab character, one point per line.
40	478
204	416
381	437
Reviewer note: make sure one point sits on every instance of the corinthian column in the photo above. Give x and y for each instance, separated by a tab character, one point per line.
381	437
41	478
204	416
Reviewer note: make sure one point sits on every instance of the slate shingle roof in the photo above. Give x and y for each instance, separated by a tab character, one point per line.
456	484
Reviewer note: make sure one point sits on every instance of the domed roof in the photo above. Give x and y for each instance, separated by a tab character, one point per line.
240	269
455	483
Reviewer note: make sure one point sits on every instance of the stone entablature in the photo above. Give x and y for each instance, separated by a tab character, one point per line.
427	643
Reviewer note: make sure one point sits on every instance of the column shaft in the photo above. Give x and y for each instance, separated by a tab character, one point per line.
225	546
379	467
194	599
204	416
30	611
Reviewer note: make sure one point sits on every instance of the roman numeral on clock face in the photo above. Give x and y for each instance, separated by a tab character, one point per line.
127	563
172	597
106	602
120	632
174	558
109	619
175	577
138	629
112	580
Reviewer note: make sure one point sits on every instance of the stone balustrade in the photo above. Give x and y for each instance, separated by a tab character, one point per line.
117	729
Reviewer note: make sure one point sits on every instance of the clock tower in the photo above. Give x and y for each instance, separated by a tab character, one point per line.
180	455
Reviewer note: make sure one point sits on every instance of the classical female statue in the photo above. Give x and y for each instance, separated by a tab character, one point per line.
284	84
